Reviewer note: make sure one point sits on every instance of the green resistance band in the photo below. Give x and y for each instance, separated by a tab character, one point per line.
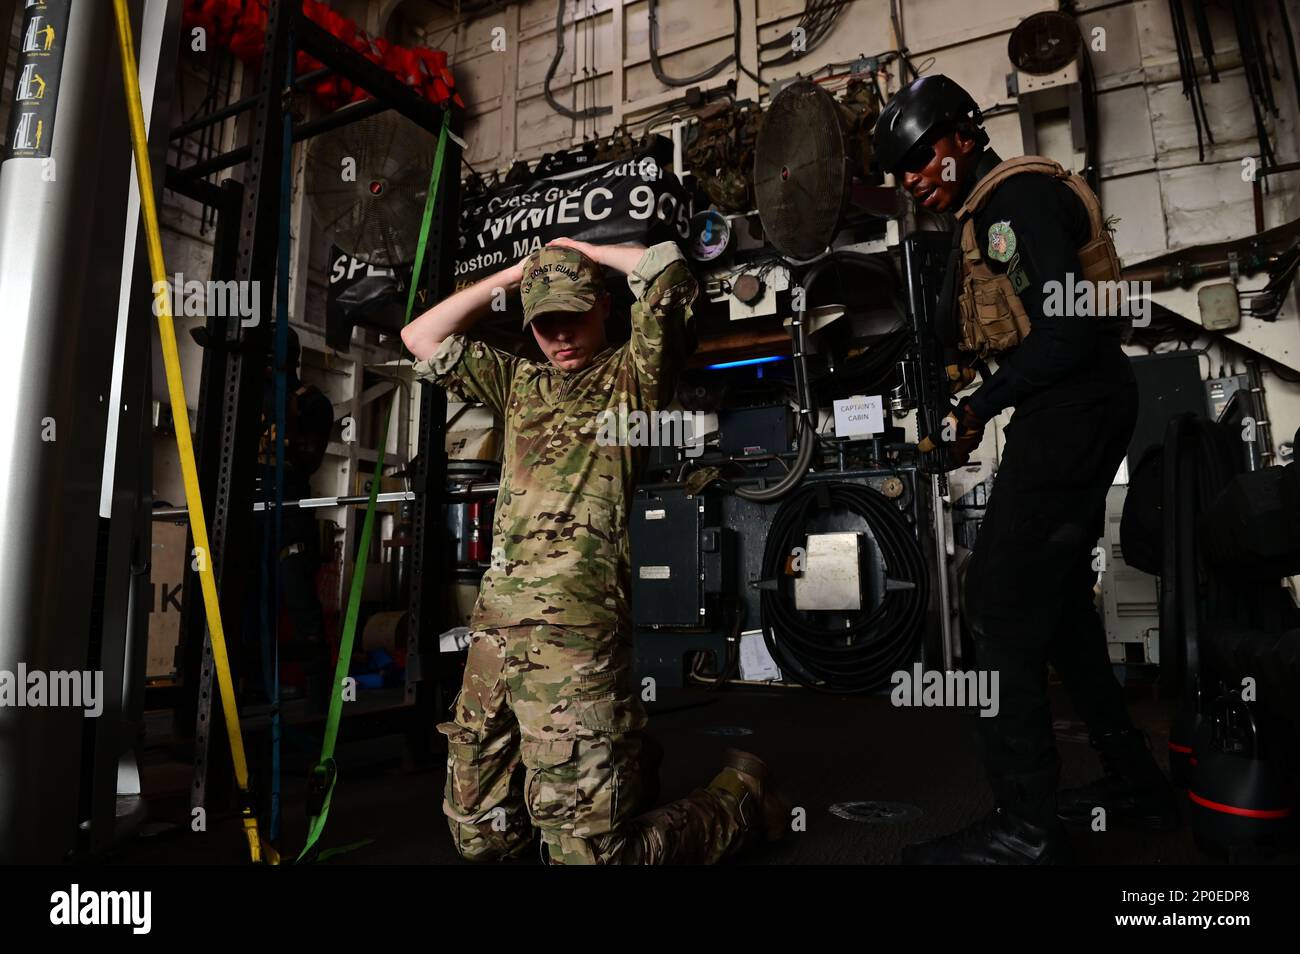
325	774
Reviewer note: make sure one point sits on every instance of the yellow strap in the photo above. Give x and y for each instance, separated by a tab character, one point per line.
176	393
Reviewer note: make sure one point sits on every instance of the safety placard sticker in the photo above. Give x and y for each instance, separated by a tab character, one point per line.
857	416
36	78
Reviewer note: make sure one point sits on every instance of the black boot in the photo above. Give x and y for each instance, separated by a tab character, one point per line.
1133	790
1000	838
1022	830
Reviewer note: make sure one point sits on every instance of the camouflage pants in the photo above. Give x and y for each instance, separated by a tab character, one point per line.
547	730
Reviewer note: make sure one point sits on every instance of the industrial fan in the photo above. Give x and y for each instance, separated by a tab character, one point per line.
367	182
808	152
1044	43
801	170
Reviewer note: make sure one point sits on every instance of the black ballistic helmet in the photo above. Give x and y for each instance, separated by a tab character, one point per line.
931	104
293	354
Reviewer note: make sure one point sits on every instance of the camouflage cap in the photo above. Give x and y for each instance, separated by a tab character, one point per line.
559	279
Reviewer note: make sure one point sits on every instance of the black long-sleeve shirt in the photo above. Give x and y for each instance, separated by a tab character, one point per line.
1049	223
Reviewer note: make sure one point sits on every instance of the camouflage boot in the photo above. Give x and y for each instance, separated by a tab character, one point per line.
745	780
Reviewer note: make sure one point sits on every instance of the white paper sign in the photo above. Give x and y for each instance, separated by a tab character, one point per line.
756	663
859	415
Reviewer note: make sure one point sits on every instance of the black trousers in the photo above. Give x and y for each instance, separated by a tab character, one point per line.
1030	583
298	561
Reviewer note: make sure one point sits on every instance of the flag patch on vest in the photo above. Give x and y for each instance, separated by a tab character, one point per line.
1002	241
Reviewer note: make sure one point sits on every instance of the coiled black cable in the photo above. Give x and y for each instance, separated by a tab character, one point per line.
862	656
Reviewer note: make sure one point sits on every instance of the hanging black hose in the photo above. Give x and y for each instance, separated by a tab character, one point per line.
1207	39
1196	81
735	51
1191	81
1263	80
1091	127
862	656
1266	303
584	114
818	19
1290	45
897	23
1242	14
657	65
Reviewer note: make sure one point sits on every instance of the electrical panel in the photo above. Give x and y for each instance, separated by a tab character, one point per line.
679	559
1219	391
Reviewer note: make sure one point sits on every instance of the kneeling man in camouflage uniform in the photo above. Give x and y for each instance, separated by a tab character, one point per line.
548	682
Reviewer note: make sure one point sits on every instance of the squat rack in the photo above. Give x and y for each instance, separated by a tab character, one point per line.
228	414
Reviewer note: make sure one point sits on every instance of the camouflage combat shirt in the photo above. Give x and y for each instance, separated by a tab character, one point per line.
559	539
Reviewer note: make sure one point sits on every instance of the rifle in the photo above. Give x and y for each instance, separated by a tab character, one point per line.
922	372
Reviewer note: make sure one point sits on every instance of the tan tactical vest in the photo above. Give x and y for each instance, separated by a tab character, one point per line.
991	317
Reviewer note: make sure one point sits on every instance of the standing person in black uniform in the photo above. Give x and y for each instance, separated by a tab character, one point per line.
1020	226
308	421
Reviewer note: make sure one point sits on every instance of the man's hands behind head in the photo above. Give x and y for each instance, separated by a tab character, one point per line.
621	258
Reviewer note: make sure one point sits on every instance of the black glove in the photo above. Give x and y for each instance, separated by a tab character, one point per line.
959	378
959	434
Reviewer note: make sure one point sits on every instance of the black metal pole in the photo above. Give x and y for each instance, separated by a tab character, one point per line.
246	348
306	130
207	451
429	481
237	107
373	78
